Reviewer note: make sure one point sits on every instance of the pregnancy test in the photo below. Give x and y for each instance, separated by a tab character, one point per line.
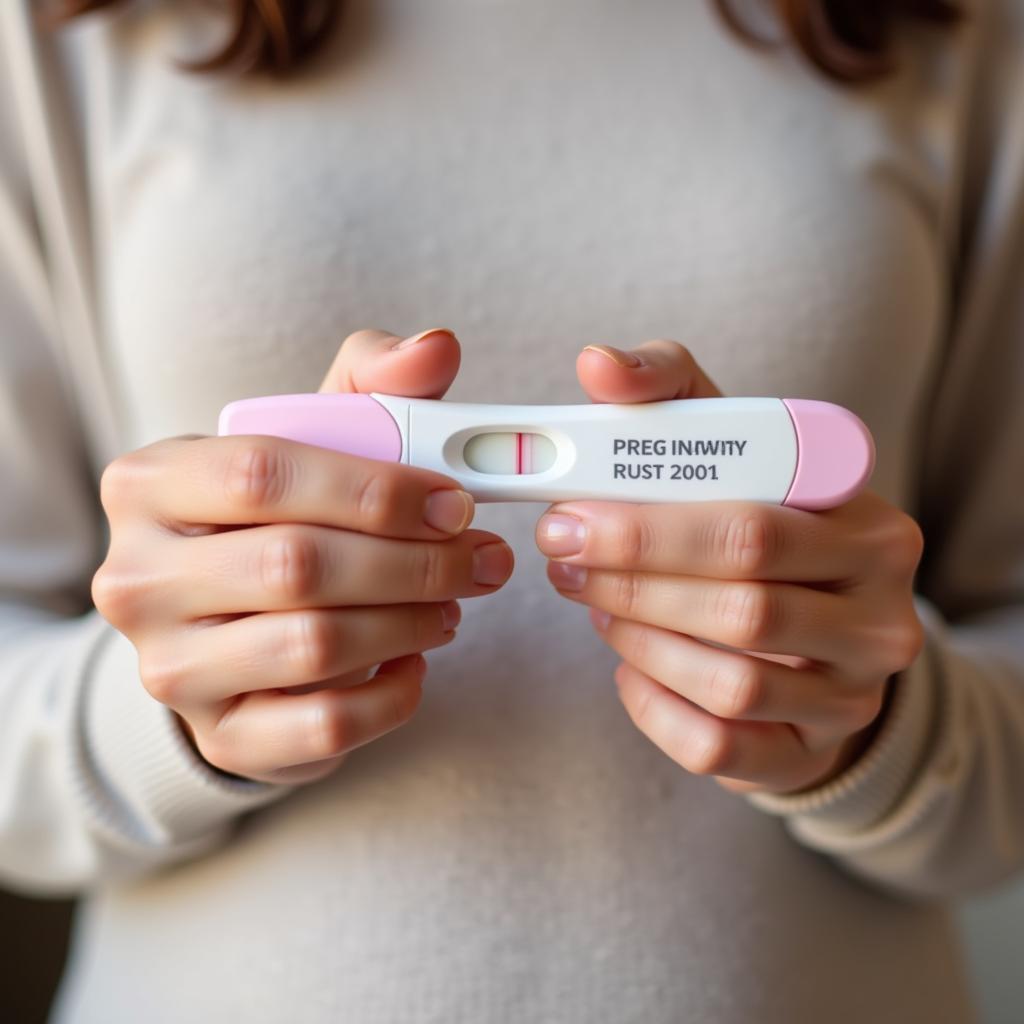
790	451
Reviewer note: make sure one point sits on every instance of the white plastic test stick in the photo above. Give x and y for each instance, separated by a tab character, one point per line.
798	452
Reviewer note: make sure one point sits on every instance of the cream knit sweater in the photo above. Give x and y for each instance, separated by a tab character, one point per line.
535	176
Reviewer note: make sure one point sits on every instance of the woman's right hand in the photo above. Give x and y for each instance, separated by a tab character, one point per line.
261	579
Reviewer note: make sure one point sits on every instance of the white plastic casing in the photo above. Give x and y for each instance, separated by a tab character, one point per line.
676	450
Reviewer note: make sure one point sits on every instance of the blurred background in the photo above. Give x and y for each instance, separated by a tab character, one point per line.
33	940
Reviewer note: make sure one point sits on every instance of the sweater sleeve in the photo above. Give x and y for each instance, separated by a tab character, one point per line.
96	781
933	807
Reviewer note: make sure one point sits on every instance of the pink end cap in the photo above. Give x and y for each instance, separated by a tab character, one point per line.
355	424
835	454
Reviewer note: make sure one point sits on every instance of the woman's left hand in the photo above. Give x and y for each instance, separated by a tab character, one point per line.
814	610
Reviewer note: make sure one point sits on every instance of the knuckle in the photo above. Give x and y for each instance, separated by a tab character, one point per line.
116	594
376	498
290	564
627	592
679	350
104	592
636	542
163	677
335	731
331	729
431	569
736	690
746	542
311	645
749	613
362	334
906	642
645	709
116	482
903	545
637	643
257	474
709	751
405	699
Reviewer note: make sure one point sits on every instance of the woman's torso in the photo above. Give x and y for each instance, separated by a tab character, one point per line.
536	177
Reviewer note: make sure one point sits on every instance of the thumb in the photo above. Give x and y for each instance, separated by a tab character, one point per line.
652	371
422	366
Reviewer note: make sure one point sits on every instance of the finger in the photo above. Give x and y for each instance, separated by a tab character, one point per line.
723	539
291	565
267	731
654	370
290	649
350	678
737	686
781	618
370	360
245	479
769	754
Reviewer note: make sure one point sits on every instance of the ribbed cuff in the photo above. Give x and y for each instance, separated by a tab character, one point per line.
872	786
155	784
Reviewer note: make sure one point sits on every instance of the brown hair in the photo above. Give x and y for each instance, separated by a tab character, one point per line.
847	40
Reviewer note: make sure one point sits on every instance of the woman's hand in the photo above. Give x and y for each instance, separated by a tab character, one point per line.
260	579
757	640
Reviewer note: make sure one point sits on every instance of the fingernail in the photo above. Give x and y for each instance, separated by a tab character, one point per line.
561	534
600	619
567	576
616	355
409	342
492	563
449	510
451	615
